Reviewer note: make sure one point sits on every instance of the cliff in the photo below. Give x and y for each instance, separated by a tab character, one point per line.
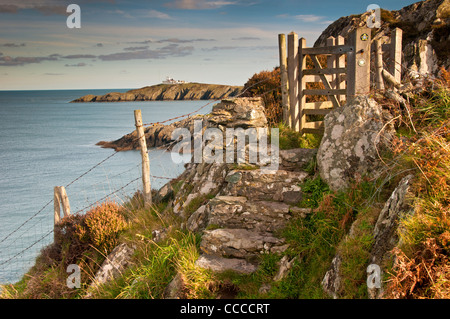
163	92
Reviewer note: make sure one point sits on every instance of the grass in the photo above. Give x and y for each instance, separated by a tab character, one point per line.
423	262
289	138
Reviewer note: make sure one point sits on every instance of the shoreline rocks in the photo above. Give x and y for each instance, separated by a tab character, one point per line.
167	92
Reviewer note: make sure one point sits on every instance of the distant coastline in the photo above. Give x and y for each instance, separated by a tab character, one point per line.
167	92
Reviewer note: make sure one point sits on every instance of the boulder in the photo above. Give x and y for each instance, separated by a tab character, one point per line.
239	243
117	261
241	112
354	135
221	264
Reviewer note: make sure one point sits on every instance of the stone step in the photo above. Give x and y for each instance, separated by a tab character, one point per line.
221	264
240	243
238	212
254	184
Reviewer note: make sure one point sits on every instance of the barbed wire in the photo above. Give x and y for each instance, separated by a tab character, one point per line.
49	202
165	148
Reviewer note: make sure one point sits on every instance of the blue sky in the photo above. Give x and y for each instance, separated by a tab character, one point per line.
131	44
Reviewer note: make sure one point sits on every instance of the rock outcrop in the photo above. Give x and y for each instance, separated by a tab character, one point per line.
385	234
354	135
168	92
239	209
426	34
232	113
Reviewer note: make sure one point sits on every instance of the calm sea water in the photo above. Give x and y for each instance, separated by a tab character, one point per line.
45	141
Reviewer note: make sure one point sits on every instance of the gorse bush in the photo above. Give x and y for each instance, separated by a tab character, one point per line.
101	225
84	240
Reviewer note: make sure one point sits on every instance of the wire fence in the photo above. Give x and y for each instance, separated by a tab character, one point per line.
20	246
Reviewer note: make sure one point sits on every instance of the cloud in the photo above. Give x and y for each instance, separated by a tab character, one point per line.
135	48
158	15
13	45
246	39
79	56
308	17
47	7
140	42
172	50
176	40
81	64
198	4
19	61
220	48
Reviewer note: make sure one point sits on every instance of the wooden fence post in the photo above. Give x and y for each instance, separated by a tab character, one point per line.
284	79
60	198
302	86
340	63
379	66
358	64
293	74
395	65
331	62
145	160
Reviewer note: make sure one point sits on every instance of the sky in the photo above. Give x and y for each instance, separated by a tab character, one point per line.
132	44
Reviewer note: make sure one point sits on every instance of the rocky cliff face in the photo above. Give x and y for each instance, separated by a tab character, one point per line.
426	33
170	92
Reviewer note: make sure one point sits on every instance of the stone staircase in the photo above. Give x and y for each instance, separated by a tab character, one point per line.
248	210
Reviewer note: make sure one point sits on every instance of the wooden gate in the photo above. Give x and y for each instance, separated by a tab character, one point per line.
347	74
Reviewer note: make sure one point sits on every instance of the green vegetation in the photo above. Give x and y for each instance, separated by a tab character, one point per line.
422	270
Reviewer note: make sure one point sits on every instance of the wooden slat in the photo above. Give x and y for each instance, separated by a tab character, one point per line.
318	105
314	127
316	111
324	71
325	82
315	78
336	49
324	92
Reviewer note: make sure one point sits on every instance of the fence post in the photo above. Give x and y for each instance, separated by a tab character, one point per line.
60	198
331	62
145	160
358	65
284	79
340	63
379	66
302	86
395	65
293	65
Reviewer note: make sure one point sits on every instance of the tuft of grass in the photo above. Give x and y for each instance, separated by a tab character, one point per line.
289	138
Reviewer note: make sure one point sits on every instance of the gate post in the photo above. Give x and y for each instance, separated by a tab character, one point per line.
293	65
284	80
358	64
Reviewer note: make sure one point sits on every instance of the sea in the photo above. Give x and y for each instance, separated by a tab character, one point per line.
46	141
